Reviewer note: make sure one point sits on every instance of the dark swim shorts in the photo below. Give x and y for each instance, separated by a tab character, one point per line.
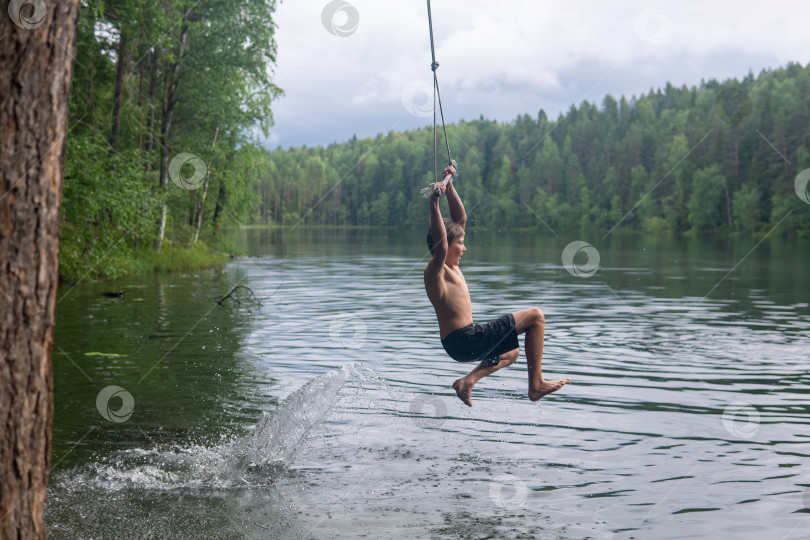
483	342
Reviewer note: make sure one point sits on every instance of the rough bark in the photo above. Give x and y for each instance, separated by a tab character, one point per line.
36	67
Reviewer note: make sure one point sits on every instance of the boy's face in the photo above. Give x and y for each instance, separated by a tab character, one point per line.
455	251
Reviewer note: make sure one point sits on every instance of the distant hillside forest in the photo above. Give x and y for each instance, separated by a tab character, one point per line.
161	150
719	157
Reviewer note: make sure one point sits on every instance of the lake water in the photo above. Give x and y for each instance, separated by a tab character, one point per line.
327	412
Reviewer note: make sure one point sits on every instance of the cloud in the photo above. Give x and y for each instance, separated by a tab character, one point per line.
508	58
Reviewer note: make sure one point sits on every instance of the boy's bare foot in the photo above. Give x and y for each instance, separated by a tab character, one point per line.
463	391
546	387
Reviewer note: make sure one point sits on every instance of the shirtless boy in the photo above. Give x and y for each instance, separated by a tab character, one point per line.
494	344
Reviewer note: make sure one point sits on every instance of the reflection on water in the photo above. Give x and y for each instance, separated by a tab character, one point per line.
327	411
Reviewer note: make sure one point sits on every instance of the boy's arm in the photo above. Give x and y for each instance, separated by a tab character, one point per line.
457	212
439	236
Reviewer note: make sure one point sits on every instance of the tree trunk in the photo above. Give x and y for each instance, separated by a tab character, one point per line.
118	92
91	99
169	101
736	156
728	205
141	68
150	126
36	68
201	207
200	210
218	209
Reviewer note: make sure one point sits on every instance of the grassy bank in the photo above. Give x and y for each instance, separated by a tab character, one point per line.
117	261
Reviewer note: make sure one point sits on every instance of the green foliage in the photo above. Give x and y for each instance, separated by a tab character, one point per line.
199	67
106	208
747	207
663	162
704	204
719	157
146	260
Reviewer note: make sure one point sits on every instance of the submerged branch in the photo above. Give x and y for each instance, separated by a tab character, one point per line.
251	297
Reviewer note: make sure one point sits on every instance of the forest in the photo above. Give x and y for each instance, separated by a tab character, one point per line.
161	152
169	102
720	158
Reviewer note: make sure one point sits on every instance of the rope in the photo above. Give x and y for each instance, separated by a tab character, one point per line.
435	158
433	189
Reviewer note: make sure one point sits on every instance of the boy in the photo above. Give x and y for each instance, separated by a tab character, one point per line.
493	344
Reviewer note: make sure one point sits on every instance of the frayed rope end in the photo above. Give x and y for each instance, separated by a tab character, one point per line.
431	190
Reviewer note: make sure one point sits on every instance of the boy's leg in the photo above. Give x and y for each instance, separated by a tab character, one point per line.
532	322
463	386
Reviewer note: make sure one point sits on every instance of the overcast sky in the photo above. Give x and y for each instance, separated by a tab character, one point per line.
362	67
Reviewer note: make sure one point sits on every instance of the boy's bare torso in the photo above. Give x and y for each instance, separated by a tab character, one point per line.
447	291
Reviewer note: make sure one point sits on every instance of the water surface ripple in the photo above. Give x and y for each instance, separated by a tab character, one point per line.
686	415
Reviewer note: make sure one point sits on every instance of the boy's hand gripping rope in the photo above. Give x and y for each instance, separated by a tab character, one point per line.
434	190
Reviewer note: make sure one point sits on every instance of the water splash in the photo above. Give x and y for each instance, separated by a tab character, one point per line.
280	433
255	459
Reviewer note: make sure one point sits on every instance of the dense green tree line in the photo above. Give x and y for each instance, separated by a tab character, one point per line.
719	157
154	80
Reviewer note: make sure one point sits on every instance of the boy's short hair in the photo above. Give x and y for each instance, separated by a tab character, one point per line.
454	233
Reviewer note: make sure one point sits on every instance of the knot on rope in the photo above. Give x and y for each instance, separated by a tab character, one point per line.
432	190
